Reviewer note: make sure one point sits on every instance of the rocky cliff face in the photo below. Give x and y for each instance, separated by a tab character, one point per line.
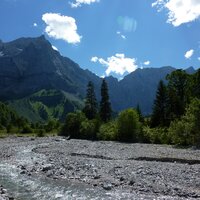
28	65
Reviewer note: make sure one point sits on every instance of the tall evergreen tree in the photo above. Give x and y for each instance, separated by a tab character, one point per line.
141	118
105	105
196	84
178	92
90	108
159	116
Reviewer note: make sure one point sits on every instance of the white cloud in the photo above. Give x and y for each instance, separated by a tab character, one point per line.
189	54
61	27
198	58
121	35
147	62
118	64
55	48
179	11
79	3
35	25
94	59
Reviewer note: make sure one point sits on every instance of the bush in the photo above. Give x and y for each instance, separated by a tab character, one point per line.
186	131
128	126
52	125
41	133
72	125
12	129
27	129
88	129
108	131
155	135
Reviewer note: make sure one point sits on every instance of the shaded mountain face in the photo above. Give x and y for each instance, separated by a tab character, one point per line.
30	65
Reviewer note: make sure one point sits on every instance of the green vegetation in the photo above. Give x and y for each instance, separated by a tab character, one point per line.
90	108
128	126
159	116
12	123
186	131
46	105
175	118
105	105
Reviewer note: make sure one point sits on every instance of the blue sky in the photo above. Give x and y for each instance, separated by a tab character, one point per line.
110	37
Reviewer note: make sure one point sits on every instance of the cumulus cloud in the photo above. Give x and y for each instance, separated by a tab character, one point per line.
61	27
147	62
79	3
121	35
54	48
179	11
35	24
189	54
118	64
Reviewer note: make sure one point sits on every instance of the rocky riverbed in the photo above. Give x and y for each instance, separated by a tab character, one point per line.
81	169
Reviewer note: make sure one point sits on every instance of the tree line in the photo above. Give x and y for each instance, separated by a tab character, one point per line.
175	118
12	123
96	122
176	110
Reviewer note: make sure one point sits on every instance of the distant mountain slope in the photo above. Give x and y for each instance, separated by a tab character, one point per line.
45	105
140	87
35	79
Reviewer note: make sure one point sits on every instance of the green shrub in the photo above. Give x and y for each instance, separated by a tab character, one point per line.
108	131
52	125
12	129
88	129
41	133
155	135
186	131
128	126
27	129
72	125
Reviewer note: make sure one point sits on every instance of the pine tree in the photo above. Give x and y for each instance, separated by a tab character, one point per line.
141	118
105	105
178	93
90	108
159	116
196	84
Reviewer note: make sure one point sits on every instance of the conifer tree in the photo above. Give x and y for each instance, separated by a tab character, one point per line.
141	118
178	86
105	105
90	108
159	116
196	84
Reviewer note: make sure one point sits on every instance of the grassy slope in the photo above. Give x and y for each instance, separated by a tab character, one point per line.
45	105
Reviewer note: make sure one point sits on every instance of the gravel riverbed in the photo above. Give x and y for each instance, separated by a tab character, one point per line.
141	171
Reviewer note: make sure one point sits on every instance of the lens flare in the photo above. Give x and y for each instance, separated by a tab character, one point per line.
127	24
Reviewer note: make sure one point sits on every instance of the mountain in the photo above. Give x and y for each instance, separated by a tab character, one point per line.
41	84
28	65
140	87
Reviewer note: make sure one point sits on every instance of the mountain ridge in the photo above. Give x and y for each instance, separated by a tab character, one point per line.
30	65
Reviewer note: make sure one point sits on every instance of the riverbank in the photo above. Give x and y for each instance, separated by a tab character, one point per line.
105	169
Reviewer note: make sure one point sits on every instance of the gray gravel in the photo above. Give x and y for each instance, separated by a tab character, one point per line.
144	169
